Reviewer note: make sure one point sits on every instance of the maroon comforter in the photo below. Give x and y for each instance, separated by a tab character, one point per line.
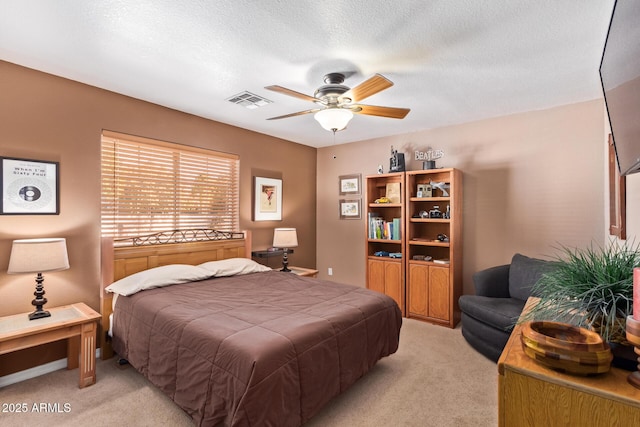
261	349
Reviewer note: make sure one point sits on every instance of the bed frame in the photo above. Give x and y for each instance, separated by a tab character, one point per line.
157	250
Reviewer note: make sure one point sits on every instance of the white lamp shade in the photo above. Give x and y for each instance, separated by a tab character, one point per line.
38	256
333	119
285	238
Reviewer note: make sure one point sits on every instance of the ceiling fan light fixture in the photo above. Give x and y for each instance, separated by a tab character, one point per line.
333	119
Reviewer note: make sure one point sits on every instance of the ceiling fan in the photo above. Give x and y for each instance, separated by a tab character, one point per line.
337	102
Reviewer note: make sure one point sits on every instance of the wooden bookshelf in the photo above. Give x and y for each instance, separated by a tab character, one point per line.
385	274
433	266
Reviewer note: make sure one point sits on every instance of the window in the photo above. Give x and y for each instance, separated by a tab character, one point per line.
152	186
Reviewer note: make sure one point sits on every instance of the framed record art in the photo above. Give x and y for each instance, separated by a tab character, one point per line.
29	187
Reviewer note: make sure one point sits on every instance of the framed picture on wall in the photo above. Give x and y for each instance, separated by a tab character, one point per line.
267	199
350	209
29	187
349	184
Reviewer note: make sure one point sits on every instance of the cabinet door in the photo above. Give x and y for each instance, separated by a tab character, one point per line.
376	275
393	281
439	293
418	289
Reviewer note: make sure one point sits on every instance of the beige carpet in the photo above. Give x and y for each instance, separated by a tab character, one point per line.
435	379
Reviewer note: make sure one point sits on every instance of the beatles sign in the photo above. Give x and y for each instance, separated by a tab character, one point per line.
428	155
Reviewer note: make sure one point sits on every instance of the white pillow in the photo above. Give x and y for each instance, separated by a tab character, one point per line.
234	266
157	277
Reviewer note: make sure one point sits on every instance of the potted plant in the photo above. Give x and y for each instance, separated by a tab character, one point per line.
590	288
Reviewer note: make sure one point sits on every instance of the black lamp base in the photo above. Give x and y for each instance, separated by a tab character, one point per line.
39	314
285	262
39	301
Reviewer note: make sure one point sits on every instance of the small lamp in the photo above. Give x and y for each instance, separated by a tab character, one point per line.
285	238
38	256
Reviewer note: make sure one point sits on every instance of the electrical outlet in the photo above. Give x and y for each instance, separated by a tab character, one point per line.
330	271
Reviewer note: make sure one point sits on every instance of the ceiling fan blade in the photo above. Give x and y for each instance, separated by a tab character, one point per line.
291	92
299	113
369	87
374	110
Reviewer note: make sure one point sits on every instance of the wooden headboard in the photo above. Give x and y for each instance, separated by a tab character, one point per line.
122	261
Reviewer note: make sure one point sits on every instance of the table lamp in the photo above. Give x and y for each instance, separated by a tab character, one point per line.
285	238
38	256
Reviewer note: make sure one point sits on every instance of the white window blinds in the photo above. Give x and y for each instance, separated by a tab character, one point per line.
152	186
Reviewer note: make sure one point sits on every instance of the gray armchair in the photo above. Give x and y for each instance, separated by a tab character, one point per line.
501	293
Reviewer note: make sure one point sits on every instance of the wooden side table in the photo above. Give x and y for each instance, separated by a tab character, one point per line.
77	323
533	395
300	271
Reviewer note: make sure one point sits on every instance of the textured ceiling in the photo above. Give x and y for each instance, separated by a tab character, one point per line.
452	61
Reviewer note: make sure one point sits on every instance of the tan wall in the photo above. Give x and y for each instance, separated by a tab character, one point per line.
48	118
530	181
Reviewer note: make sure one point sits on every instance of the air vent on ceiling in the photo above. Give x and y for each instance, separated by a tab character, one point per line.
249	100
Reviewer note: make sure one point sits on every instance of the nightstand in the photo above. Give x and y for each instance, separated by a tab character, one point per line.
77	323
300	271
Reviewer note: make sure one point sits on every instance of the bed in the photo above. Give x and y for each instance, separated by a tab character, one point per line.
260	347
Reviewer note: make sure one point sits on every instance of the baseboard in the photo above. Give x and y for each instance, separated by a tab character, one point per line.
36	371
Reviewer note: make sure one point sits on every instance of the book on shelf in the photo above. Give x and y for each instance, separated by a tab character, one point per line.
396	229
373	221
380	228
441	261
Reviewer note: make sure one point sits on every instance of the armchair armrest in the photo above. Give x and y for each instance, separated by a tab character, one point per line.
492	282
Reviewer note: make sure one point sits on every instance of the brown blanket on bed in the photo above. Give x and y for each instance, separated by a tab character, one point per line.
261	349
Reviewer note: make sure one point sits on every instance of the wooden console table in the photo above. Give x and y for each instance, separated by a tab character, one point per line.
77	323
533	395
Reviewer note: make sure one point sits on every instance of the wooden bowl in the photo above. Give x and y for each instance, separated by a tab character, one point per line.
567	366
595	357
566	347
633	331
563	335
